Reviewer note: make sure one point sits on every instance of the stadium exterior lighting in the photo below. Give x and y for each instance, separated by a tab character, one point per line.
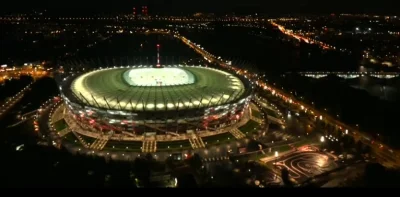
127	99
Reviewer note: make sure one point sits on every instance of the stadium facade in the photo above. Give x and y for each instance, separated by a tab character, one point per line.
146	99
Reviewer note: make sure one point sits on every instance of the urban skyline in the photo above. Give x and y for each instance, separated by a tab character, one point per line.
175	7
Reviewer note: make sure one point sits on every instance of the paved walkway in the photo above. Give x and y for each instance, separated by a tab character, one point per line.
83	129
271	158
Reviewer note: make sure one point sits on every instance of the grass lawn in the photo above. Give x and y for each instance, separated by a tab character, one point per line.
173	145
281	149
60	125
305	141
286	147
87	139
271	113
248	128
216	139
113	145
70	138
256	114
259	155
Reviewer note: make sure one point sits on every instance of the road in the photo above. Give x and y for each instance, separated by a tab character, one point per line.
24	117
388	156
13	100
302	38
382	152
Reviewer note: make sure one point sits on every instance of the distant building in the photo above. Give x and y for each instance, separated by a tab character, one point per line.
134	12
144	11
203	15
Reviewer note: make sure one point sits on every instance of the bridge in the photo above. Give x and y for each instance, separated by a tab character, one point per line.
24	117
13	100
351	75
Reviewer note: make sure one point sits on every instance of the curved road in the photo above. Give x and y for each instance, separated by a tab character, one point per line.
303	165
390	156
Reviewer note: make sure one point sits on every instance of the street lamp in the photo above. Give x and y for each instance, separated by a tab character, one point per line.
346	132
322	140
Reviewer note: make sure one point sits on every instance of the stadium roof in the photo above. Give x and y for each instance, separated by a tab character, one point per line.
137	89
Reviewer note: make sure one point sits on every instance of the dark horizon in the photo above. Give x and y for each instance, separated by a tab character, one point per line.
179	7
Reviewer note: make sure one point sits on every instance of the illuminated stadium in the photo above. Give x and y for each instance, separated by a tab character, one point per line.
149	101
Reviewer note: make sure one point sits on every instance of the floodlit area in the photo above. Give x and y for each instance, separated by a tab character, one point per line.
158	77
157	88
306	164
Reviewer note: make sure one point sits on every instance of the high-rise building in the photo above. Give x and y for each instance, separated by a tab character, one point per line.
144	11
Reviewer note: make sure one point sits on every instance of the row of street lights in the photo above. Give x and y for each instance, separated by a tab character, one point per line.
261	84
14	99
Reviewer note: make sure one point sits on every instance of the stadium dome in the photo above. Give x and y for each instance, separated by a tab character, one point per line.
137	98
143	89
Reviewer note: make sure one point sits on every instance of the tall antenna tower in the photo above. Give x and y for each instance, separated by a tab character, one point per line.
158	55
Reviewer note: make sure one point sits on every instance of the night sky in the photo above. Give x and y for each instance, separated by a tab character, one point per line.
175	7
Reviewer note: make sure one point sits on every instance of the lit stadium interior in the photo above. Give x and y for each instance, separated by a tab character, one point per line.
158	77
141	100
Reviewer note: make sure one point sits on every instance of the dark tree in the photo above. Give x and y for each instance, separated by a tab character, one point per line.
359	146
348	142
366	150
375	175
187	181
142	170
195	162
149	157
170	164
285	178
253	145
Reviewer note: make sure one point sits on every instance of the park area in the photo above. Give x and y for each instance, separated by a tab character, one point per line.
128	146
256	114
218	139
173	145
250	127
60	125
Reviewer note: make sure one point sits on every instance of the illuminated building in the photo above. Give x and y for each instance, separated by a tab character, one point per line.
157	99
